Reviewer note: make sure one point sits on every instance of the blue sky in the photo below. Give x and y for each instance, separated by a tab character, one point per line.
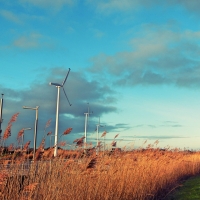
135	62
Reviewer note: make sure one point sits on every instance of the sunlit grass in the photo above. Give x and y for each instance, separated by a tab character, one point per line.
139	174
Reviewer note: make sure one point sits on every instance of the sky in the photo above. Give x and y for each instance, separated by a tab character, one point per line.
134	63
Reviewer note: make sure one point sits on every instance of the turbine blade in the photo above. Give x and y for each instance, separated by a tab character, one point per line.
66	77
66	96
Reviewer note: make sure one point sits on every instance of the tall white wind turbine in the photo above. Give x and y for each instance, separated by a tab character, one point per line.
57	110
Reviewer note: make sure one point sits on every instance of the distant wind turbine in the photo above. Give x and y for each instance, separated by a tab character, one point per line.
86	123
97	145
57	110
1	120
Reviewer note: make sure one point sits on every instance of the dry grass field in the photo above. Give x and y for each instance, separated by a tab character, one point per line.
139	174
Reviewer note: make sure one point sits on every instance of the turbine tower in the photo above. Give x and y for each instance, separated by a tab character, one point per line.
86	123
24	129
1	120
57	110
97	145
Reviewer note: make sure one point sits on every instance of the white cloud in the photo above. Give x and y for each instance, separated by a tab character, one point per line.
158	56
113	5
98	33
20	18
10	16
30	41
109	6
192	6
52	4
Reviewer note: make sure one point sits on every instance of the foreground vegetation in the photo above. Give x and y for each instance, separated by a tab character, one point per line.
140	174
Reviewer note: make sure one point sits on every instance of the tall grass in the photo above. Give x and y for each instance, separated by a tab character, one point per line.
140	174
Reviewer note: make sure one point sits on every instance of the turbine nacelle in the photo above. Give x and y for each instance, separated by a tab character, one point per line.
56	84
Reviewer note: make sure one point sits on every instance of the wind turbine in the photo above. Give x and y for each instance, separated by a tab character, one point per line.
98	125
86	123
58	85
24	129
